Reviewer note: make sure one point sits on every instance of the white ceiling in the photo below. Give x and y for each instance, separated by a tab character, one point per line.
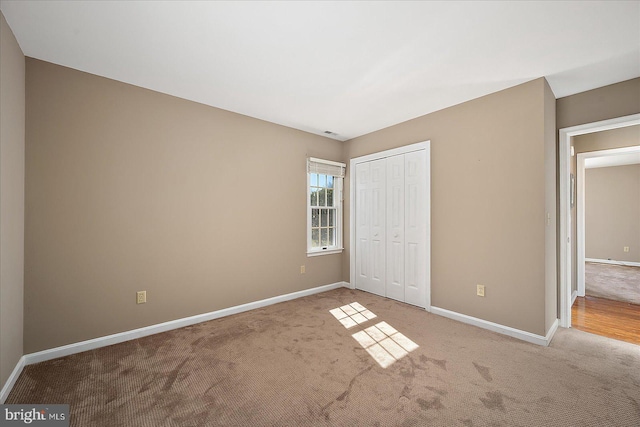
348	67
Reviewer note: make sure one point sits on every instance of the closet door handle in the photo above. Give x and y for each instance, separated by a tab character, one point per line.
395	235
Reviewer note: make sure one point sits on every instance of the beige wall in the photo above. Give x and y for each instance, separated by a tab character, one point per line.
608	102
550	185
628	136
612	213
12	120
128	189
488	203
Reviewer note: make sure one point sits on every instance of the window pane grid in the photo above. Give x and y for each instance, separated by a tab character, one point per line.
323	229
322	188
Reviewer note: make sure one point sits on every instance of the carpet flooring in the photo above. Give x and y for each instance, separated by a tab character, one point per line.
297	364
614	282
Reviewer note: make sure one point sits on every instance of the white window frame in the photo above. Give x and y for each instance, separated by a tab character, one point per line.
338	185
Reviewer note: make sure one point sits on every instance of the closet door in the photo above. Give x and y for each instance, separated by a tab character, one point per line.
415	228
378	224
391	253
395	228
370	232
363	214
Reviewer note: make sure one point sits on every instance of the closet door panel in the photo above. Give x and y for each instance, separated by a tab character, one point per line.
395	228
363	214
378	223
415	228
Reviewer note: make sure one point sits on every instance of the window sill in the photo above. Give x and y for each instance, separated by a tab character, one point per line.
325	252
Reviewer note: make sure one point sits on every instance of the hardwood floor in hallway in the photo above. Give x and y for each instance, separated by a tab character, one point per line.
613	319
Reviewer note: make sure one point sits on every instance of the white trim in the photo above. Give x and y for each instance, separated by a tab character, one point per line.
425	145
580	228
574	295
427	278
79	347
325	252
352	224
338	194
614	262
564	142
501	329
551	332
618	122
565	231
11	381
308	208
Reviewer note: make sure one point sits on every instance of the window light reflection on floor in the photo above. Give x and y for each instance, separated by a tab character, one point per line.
384	343
352	314
381	341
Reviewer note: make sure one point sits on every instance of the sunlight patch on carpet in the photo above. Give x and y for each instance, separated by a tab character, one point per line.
385	344
353	314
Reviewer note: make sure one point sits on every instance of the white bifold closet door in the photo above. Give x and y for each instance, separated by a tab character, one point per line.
370	223
391	234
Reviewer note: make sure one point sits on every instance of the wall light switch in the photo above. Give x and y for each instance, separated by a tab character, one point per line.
480	290
302	269
626	248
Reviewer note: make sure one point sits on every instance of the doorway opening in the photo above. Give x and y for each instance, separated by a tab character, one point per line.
601	252
572	255
607	234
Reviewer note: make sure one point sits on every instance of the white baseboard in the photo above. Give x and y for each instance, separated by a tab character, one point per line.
574	295
501	329
551	332
79	347
608	261
6	389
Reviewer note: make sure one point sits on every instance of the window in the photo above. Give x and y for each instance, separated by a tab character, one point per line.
324	206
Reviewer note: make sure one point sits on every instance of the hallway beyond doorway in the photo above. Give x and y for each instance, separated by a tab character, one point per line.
612	319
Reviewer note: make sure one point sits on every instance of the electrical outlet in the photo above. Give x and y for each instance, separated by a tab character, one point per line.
141	297
480	290
626	248
302	269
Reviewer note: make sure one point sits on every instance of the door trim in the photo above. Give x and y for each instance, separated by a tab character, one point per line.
564	145
426	146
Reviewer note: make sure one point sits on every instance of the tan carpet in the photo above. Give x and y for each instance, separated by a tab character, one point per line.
295	364
615	282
